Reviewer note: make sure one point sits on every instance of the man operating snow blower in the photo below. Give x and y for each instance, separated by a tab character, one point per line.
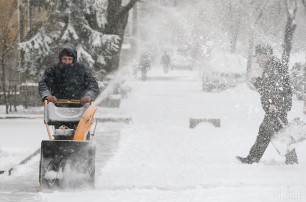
68	89
68	79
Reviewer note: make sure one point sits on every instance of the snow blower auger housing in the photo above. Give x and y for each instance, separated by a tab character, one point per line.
68	157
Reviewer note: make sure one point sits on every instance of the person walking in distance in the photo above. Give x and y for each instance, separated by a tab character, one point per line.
165	61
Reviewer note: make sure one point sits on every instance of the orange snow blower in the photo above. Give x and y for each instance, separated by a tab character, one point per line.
68	157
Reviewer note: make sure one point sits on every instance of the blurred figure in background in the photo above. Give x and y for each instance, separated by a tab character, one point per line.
165	61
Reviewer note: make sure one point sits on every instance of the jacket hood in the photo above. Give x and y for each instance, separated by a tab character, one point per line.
68	50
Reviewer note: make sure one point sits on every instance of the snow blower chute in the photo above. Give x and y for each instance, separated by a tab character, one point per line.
68	157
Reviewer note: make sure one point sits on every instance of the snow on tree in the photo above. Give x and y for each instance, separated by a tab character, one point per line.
80	22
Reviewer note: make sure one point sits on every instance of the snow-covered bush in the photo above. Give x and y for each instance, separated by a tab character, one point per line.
223	70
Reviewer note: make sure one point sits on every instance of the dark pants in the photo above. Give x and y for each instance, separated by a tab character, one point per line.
268	127
166	68
144	74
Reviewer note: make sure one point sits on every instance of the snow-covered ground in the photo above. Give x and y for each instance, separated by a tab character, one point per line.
160	159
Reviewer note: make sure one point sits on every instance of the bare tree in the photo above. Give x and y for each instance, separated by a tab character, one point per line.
8	43
291	7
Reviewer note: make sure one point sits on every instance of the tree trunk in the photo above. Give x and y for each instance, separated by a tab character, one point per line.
291	6
10	98
117	19
4	86
15	98
119	30
134	44
289	31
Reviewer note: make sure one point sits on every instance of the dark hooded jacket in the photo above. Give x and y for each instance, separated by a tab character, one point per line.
274	87
68	81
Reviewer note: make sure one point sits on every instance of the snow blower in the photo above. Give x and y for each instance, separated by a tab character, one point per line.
68	157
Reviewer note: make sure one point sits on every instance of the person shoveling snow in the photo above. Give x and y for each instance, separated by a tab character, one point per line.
276	100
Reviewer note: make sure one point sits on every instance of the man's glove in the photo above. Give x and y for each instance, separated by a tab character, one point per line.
51	98
85	99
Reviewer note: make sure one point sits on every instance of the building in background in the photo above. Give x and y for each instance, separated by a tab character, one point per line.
26	16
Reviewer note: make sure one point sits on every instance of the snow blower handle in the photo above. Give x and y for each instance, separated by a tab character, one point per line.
77	102
64	101
60	101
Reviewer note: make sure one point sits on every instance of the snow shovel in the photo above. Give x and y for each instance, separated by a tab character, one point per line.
68	157
289	136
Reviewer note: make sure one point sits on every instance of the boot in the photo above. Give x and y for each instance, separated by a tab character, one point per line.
291	158
246	160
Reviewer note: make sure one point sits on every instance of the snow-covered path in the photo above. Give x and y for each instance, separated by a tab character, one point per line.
158	158
160	151
25	137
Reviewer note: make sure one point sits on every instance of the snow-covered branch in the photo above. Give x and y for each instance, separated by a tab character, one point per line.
69	32
84	55
97	39
40	42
